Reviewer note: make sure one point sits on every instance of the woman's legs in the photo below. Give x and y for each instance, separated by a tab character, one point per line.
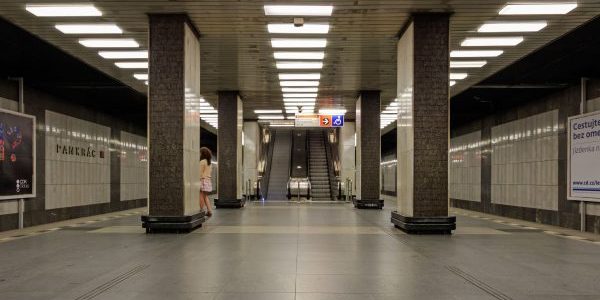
207	203
202	204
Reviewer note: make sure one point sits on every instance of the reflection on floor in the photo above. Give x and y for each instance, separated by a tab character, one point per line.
298	251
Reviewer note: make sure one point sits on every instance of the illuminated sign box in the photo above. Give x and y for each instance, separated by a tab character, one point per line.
17	155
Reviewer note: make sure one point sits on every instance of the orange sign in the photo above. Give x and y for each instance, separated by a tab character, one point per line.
325	120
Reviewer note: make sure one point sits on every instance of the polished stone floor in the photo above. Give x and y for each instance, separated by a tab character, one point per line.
299	251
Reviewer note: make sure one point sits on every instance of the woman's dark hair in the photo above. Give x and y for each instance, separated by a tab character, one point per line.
205	154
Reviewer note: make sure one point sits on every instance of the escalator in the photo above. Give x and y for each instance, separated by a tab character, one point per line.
319	169
279	173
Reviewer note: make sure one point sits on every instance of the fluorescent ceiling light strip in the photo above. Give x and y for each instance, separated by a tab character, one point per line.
132	65
300	95
267	111
141	76
299	99
124	54
476	53
332	111
452	82
299	76
468	64
458	76
529	26
538	8
89	28
299	65
492	41
269	117
109	43
63	10
300	90
299	55
298	10
298	43
299	83
291	104
307	28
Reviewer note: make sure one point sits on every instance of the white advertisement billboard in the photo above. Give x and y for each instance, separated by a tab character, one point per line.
583	165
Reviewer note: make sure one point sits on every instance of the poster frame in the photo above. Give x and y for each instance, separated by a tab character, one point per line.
34	153
569	137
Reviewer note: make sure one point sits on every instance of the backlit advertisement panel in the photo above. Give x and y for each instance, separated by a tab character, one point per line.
17	155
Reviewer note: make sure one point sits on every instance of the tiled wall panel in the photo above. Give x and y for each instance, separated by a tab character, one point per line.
525	162
464	165
134	166
77	162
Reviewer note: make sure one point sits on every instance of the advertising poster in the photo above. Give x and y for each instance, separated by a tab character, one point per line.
17	155
584	157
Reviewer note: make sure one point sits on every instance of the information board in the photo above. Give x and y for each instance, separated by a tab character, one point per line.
583	163
17	155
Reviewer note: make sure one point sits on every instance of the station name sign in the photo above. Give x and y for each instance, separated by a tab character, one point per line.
317	120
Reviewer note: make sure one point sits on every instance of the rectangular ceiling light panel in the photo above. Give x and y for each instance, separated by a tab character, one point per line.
89	28
332	111
495	27
492	41
468	64
308	100
476	53
300	90
300	76
538	8
267	111
304	29
299	55
298	43
458	76
132	65
299	65
302	83
298	10
300	95
141	76
124	54
109	43
63	10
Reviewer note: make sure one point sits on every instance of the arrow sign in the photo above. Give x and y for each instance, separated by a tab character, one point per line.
325	120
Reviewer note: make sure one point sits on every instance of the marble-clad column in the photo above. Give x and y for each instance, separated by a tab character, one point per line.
173	124
423	126
368	150
229	149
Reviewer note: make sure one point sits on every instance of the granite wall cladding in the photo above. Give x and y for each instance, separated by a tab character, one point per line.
134	166
37	102
370	141
464	165
77	162
230	170
525	162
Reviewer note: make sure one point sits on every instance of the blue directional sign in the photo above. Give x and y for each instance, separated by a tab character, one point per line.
337	120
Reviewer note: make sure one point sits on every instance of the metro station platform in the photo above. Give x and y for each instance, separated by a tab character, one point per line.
298	251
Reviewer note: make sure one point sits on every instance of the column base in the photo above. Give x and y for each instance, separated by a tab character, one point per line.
233	203
424	225
368	203
173	224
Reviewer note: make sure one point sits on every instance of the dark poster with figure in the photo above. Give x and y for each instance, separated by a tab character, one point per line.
17	155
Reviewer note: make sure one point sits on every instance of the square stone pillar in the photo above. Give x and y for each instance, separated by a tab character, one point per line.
423	126
368	150
173	124
229	150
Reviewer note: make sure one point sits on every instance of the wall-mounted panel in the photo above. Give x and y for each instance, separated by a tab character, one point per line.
77	162
134	166
525	162
464	165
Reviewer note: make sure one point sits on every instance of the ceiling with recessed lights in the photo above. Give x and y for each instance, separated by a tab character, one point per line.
245	46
